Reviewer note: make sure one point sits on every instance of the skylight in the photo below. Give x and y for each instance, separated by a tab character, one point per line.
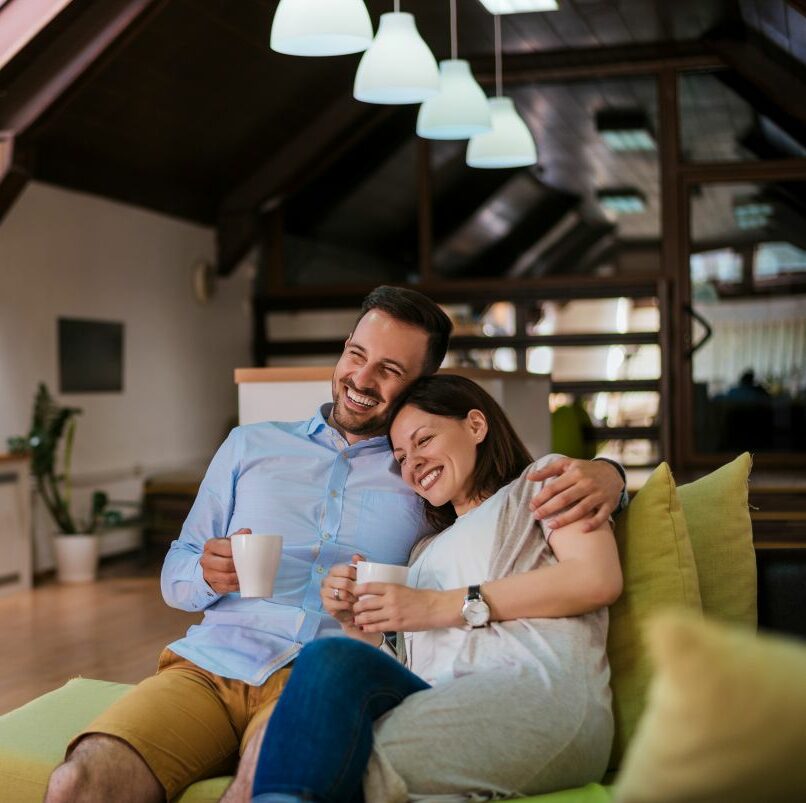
518	6
625	130
622	201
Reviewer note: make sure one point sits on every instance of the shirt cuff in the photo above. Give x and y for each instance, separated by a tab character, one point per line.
204	594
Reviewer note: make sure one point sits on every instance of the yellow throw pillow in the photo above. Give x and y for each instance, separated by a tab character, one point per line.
718	520
724	721
659	572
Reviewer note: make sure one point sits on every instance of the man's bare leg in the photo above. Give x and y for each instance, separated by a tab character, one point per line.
240	790
104	768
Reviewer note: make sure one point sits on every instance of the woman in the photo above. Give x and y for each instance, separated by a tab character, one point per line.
504	691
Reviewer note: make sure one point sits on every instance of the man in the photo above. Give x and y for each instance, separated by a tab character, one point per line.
332	488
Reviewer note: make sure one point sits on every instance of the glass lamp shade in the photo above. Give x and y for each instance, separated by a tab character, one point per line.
460	110
321	27
509	144
398	67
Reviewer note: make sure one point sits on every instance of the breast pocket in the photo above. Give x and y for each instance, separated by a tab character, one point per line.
390	523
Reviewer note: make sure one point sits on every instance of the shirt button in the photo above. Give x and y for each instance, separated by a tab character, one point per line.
334	493
320	569
325	536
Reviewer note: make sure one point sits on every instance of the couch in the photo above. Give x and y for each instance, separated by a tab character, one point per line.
687	548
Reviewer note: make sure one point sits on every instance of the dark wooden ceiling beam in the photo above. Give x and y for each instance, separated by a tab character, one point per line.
65	61
599	62
313	203
346	296
334	132
570	253
13	175
503	252
34	93
798	5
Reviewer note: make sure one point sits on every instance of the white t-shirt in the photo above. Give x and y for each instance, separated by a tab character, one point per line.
458	557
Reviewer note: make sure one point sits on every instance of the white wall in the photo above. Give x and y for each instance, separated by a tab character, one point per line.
72	255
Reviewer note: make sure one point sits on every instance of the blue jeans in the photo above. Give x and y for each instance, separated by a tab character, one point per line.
319	737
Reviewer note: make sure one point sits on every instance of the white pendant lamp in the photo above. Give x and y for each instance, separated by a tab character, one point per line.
398	67
510	143
460	109
321	27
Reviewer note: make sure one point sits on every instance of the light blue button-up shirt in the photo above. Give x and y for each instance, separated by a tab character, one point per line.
326	498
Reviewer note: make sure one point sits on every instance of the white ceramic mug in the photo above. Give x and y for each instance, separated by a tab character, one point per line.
369	572
256	556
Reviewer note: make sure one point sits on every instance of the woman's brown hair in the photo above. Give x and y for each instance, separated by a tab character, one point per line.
500	457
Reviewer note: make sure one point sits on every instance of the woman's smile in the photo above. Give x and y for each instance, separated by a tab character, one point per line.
430	478
437	455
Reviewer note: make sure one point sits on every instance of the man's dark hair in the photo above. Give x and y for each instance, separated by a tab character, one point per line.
413	308
500	458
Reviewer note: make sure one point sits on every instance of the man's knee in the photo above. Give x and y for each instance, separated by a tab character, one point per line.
99	764
65	783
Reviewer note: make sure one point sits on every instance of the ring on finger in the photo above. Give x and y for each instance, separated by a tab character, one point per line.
336	593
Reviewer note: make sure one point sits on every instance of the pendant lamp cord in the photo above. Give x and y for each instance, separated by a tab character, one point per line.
454	38
498	81
397	6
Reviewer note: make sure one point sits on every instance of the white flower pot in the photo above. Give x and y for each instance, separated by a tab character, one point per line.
76	558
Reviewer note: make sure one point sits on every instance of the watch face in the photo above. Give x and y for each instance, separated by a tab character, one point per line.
476	612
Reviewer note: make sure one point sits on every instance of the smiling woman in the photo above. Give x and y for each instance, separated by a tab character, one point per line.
455	428
504	624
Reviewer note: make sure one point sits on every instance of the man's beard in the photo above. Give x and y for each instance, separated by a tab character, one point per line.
346	419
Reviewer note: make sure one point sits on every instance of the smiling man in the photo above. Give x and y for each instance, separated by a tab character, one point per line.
331	487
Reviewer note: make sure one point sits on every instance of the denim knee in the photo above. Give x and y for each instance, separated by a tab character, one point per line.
334	657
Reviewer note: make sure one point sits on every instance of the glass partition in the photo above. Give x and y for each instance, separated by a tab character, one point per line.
748	277
719	123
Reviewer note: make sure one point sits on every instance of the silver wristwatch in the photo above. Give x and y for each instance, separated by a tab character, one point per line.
476	611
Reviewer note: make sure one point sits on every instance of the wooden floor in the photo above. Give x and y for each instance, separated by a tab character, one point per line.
113	629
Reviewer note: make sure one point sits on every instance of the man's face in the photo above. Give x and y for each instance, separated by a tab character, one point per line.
381	358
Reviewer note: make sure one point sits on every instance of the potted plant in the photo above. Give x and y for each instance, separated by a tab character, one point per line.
76	544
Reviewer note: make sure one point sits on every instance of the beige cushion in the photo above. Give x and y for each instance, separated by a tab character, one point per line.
659	572
725	719
718	520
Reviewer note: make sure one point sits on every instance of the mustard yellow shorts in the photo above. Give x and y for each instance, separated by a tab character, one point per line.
186	723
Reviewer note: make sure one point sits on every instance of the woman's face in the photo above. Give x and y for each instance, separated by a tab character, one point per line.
437	454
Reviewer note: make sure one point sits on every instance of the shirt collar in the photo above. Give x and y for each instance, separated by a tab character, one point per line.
320	421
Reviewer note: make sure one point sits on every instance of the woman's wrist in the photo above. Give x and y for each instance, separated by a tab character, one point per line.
448	608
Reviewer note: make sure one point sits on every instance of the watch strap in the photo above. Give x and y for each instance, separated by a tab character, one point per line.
473	592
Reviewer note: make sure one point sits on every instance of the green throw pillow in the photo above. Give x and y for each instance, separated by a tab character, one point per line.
718	520
659	573
724	723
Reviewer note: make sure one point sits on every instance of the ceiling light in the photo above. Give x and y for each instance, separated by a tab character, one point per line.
398	67
625	130
518	6
622	201
510	143
321	27
460	109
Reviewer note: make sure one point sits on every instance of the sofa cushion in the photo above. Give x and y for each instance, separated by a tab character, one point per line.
33	739
718	519
724	721
659	572
591	793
